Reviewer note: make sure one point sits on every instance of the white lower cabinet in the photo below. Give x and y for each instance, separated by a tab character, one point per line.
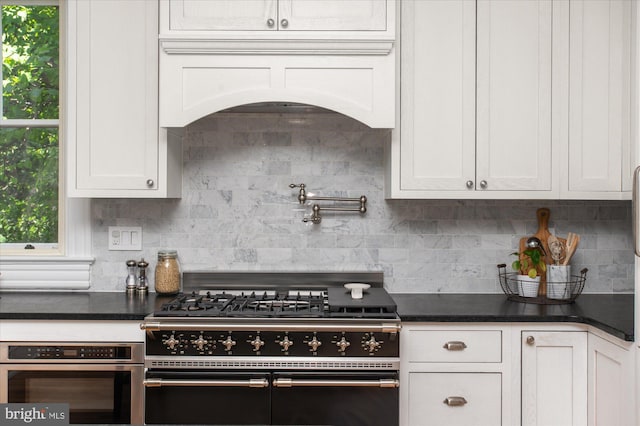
610	382
514	374
554	378
455	399
454	375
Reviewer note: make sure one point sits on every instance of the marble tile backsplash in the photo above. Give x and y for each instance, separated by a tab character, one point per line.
238	213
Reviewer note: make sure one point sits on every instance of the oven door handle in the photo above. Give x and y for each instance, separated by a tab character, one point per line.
290	383
250	383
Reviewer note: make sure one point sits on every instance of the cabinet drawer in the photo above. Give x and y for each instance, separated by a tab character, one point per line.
428	393
454	346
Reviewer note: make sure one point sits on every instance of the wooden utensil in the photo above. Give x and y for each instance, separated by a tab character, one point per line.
572	244
543	214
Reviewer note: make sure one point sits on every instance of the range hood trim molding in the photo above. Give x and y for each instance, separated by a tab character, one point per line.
221	104
181	46
359	86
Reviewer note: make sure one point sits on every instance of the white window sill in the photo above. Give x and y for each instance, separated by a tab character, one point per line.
45	273
71	271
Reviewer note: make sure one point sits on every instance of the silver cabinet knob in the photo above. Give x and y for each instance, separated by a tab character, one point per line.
150	183
470	184
270	23
530	340
483	184
284	23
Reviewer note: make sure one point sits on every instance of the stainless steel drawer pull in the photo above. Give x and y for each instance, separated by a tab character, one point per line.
382	383
455	401
455	346
251	383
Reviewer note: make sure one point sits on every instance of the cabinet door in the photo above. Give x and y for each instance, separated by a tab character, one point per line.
599	94
230	15
514	95
554	378
332	15
611	384
437	147
114	44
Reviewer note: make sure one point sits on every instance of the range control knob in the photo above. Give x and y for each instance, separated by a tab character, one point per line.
343	344
314	344
171	342
200	342
256	343
228	343
372	344
286	343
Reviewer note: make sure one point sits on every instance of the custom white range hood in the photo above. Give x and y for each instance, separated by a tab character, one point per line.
207	66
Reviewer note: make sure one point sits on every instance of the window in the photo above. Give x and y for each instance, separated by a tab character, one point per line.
29	142
37	249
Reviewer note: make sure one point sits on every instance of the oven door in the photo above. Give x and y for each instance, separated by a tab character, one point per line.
96	393
335	398
203	397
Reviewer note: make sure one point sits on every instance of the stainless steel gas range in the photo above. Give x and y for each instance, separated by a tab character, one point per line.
273	348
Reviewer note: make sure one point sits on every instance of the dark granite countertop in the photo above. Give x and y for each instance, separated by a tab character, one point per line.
77	305
612	313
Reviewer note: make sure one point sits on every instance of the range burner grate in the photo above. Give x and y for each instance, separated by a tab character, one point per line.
248	304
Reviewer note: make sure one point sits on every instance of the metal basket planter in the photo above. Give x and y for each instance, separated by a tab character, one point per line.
558	292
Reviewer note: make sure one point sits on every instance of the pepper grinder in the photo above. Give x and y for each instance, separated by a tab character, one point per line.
143	287
132	280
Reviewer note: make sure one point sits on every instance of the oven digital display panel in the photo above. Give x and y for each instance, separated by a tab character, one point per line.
49	352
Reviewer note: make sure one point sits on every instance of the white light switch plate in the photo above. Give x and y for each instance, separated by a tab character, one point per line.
125	238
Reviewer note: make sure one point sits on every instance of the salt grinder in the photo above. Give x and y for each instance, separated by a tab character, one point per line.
143	287
132	279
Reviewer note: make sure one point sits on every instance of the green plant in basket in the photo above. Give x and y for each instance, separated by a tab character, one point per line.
529	263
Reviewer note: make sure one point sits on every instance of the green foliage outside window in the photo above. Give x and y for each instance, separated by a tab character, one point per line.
29	155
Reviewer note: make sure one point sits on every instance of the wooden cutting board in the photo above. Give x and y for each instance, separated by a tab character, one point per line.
543	214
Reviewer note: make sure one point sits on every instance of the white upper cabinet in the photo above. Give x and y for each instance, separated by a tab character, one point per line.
513	83
198	15
274	15
438	84
519	99
114	145
599	97
475	101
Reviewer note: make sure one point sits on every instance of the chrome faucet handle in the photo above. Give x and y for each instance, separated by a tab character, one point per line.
302	196
315	217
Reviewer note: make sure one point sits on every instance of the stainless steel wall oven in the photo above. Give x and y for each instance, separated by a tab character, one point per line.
307	354
101	382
